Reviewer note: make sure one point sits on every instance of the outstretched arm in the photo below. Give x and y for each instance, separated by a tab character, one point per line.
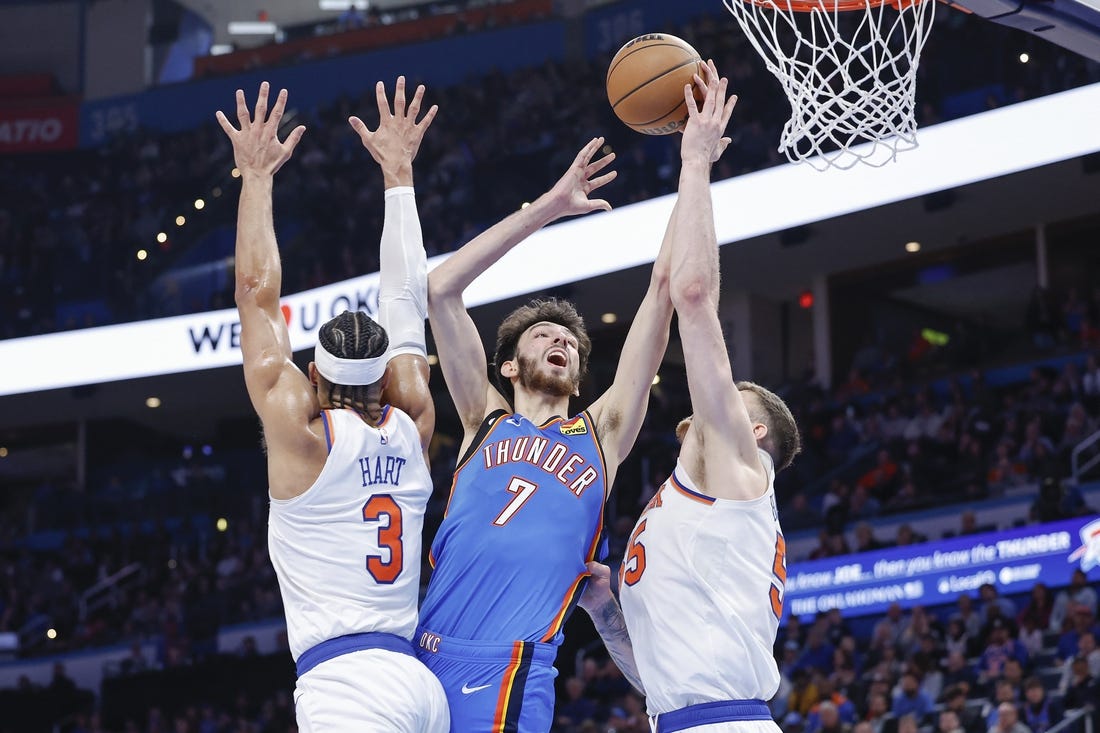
621	410
600	605
461	354
403	276
721	433
279	391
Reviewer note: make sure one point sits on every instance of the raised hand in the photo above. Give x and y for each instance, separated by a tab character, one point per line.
703	134
395	143
256	146
570	194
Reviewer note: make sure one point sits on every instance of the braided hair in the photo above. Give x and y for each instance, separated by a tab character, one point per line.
354	335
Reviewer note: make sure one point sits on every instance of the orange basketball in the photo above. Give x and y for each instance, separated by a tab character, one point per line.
645	82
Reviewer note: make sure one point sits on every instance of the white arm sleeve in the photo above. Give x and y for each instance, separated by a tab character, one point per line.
403	276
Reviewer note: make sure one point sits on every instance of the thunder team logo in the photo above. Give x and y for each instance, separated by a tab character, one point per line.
1089	551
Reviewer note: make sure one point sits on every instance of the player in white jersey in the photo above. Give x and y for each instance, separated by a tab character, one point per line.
346	444
702	581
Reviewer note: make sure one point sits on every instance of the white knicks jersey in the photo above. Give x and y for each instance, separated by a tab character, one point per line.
347	551
701	589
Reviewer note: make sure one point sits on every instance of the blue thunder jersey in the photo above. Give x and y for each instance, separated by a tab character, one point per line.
525	514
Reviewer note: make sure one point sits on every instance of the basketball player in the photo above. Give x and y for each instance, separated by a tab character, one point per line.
526	505
702	580
346	460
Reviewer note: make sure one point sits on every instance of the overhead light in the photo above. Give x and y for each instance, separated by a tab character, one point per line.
525	204
236	172
609	317
199	203
656	379
912	247
1024	58
180	220
222	524
162	237
220	49
433	359
216	192
3	452
338	5
142	255
51	633
252	28
152	402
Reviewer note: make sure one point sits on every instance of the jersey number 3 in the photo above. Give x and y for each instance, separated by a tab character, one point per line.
389	537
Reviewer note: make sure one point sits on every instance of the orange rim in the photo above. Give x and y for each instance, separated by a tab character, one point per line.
830	6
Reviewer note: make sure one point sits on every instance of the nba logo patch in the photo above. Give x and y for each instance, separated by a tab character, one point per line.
383	436
576	426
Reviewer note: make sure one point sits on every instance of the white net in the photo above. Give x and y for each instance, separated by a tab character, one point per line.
850	74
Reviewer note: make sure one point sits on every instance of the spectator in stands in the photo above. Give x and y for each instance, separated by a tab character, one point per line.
959	673
1083	622
910	699
804	694
1087	650
948	722
1082	688
1034	619
865	539
956	639
862	505
908	724
968	616
827	720
991	599
880	479
818	652
969	718
1003	691
878	710
576	708
1008	720
1078	593
1005	471
1040	712
1090	380
907	536
999	649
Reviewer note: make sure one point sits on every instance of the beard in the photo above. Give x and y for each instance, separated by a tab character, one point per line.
534	379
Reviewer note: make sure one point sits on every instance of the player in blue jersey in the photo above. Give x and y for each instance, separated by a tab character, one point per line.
526	506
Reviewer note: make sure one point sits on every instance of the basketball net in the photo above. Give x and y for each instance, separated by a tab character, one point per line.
849	69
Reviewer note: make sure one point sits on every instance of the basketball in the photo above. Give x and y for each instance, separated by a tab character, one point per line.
645	82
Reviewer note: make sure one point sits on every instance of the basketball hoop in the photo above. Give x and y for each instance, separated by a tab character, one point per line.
848	68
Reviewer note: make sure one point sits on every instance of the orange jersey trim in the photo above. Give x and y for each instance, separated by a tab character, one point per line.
559	617
499	717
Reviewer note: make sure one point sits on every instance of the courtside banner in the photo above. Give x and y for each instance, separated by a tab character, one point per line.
936	573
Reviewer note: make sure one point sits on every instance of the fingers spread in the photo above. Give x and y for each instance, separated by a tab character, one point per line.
427	121
593	168
261	105
399	97
225	123
242	111
414	105
603	180
294	138
383	102
277	112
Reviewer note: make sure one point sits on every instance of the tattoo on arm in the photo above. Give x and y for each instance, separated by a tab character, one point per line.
609	622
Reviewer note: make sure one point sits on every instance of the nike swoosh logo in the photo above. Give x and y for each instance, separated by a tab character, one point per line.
467	690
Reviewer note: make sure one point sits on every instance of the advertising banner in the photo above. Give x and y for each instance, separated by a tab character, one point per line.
39	126
937	573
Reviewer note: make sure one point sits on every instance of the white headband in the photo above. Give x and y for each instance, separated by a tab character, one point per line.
349	371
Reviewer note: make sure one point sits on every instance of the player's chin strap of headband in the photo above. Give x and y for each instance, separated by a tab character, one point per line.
349	371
